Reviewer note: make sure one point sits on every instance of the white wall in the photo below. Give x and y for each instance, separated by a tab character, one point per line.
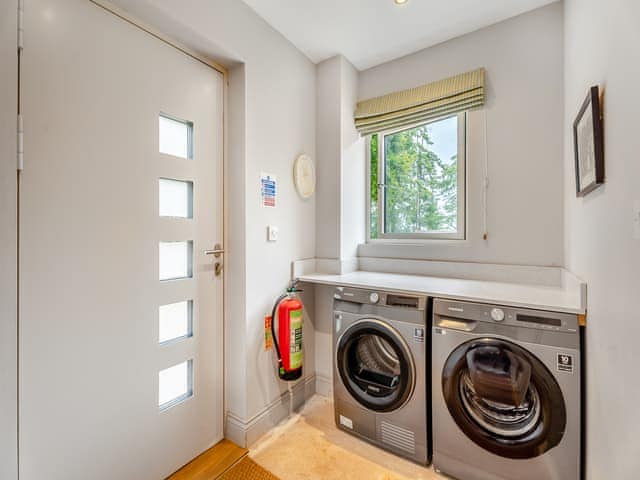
523	57
8	247
602	47
235	243
340	164
340	196
524	115
323	321
328	149
270	123
353	173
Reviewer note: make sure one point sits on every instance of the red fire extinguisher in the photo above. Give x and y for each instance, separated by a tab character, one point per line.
288	342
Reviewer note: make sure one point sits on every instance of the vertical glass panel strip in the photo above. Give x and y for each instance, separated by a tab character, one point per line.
175	384
176	137
175	260
175	321
175	198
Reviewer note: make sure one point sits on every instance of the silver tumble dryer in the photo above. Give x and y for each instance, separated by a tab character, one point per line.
506	392
380	369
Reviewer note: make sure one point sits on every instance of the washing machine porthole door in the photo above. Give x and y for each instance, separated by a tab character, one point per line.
504	398
375	365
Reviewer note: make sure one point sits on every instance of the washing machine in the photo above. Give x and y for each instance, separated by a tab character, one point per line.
380	376
506	392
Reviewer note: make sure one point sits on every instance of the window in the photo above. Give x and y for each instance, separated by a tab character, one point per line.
175	321
175	384
417	181
176	137
175	198
175	260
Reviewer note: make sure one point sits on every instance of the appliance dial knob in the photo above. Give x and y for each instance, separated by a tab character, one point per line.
497	314
374	297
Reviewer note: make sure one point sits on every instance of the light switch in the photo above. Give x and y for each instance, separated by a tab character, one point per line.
272	233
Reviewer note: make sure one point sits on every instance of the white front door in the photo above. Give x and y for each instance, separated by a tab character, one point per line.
121	194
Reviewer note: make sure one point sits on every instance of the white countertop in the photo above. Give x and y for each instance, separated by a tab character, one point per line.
569	299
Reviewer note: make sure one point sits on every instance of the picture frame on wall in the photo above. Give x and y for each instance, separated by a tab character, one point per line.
588	144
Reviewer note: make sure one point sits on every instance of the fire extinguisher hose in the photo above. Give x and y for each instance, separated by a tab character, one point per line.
273	327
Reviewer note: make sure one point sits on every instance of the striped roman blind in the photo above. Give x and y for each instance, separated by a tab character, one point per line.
421	104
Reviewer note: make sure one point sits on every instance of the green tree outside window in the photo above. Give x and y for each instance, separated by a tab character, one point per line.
420	187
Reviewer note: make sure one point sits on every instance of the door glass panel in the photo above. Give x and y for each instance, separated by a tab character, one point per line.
499	418
175	384
375	365
497	392
175	260
504	398
175	321
175	198
176	137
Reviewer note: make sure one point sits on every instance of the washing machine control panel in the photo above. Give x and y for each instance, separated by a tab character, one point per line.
469	312
497	314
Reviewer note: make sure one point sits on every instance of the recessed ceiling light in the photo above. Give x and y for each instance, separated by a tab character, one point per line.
400	2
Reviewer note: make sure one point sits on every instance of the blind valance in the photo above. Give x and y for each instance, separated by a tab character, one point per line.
424	103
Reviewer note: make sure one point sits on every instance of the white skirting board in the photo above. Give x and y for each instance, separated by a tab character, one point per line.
246	432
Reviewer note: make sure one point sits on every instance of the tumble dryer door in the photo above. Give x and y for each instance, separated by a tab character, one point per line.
504	398
375	365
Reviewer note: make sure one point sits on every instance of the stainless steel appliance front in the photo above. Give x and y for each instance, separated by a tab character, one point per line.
506	392
380	379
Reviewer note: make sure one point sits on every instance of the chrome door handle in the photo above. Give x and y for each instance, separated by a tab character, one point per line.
217	250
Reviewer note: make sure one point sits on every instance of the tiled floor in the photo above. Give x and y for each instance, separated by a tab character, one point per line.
309	446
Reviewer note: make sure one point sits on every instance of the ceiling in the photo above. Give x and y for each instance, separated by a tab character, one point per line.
370	32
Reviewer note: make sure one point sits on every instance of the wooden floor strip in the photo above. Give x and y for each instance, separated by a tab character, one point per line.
212	463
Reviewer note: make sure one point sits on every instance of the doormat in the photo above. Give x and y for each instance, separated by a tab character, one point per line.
247	469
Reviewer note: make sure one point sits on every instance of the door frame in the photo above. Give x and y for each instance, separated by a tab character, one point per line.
9	236
9	242
154	32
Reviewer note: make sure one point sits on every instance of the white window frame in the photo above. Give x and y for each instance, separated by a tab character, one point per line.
461	226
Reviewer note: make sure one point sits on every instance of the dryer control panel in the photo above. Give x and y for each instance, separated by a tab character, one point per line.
386	299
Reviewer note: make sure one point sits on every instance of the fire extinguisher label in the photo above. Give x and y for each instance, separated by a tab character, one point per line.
295	343
268	336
